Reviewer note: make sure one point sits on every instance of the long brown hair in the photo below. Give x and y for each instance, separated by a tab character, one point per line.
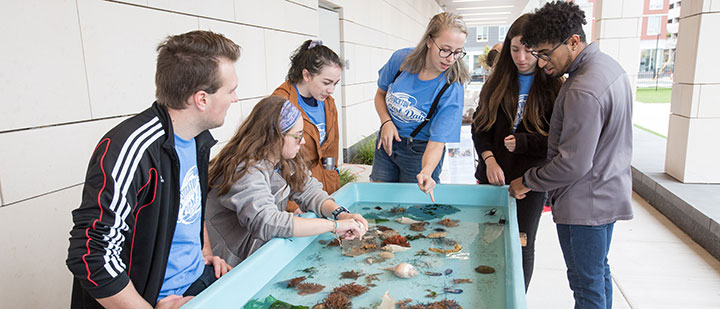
415	62
258	138
501	91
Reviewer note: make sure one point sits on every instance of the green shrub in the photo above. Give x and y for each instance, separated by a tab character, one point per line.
346	176
365	152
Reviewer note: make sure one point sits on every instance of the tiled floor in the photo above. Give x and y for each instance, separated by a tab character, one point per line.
654	264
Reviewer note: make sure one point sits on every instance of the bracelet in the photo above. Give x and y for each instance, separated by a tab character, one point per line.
384	122
488	157
335	230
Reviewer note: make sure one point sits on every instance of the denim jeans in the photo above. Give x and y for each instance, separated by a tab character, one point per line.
404	164
585	249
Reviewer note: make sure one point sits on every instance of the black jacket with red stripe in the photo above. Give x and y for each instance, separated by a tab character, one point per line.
124	226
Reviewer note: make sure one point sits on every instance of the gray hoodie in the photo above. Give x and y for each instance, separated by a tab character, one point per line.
253	211
589	144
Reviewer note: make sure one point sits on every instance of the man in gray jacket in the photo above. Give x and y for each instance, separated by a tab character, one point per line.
589	148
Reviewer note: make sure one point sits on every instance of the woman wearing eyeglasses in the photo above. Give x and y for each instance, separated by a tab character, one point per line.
409	148
314	72
255	175
510	128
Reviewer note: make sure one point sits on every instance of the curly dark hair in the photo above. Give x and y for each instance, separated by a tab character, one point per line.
554	23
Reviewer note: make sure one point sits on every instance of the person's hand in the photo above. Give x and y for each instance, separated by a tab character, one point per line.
298	211
426	184
349	228
388	133
494	173
517	189
172	301
510	142
219	264
356	217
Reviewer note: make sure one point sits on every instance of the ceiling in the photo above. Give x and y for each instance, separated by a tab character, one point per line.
486	12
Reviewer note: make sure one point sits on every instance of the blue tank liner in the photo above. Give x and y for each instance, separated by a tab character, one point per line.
239	286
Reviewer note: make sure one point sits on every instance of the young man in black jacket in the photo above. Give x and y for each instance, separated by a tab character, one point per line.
139	239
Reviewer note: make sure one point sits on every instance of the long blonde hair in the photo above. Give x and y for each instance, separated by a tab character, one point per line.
258	138
415	62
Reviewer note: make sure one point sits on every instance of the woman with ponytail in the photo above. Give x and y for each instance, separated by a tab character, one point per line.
420	103
314	73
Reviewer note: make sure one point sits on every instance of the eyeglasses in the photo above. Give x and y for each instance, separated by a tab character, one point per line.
298	137
546	56
444	53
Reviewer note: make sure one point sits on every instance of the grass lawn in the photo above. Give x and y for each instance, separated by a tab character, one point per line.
650	95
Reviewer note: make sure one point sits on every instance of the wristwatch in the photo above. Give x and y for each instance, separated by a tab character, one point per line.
338	211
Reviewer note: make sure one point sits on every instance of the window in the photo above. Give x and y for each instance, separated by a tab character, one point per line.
656	4
482	34
502	32
653	25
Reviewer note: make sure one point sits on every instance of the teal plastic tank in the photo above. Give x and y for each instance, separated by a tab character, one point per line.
487	231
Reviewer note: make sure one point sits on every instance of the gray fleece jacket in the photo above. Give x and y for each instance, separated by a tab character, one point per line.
589	144
253	211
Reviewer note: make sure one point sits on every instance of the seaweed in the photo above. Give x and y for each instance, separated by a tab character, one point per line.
294	281
431	294
448	222
351	275
382	228
422	253
309	288
459	281
351	289
335	301
397	210
416	236
397	240
369	278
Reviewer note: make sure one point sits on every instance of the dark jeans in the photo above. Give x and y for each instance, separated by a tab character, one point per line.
404	164
529	210
585	249
206	279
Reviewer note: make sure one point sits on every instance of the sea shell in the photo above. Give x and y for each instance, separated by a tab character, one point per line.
404	270
387	301
395	248
406	220
387	255
437	235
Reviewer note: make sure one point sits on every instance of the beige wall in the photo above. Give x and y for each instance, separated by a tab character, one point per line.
73	69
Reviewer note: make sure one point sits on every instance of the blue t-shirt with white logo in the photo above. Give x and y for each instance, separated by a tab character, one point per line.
315	110
525	82
186	263
408	100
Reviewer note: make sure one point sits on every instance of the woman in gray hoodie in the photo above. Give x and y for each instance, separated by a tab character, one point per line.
254	176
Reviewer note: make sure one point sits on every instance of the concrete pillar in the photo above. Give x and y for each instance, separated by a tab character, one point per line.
617	29
693	145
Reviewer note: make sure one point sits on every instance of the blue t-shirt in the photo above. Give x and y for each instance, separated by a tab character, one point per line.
186	263
408	100
315	110
525	82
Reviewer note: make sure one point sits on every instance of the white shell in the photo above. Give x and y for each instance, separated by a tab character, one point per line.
406	220
387	301
395	248
404	270
387	255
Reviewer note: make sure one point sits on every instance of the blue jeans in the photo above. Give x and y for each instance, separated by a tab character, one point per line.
404	164
585	249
